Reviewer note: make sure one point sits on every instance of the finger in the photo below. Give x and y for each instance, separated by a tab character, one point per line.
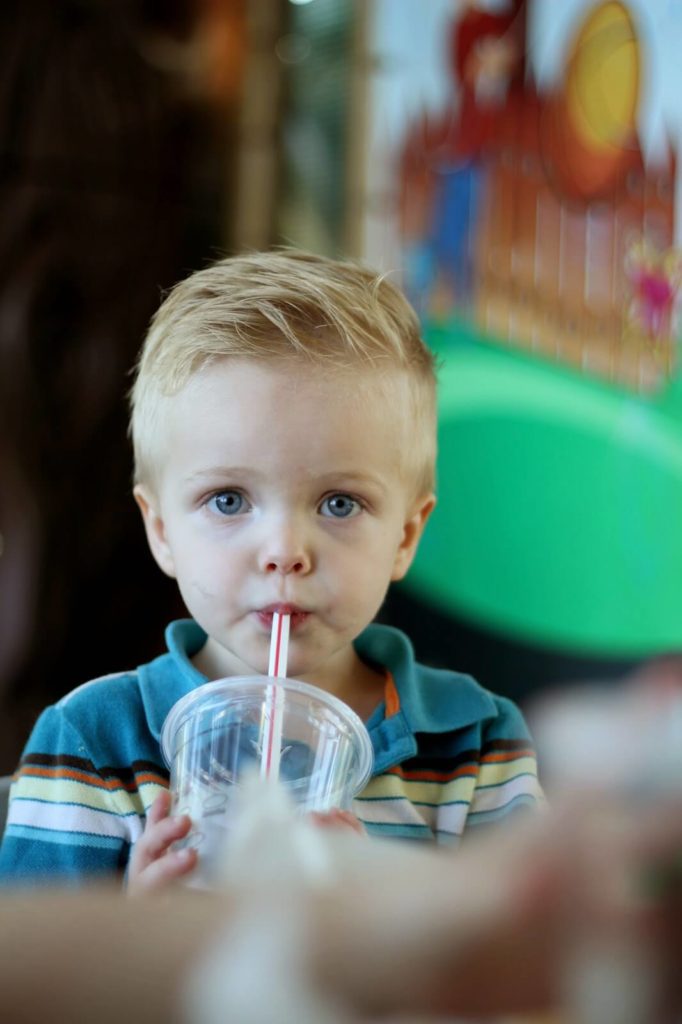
337	819
162	872
326	819
160	808
349	819
156	839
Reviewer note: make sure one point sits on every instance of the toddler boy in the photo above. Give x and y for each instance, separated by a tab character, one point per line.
284	427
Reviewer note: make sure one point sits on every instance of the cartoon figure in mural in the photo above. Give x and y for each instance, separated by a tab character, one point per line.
519	207
442	168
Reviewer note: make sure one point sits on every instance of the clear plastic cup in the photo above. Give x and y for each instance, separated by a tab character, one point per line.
213	737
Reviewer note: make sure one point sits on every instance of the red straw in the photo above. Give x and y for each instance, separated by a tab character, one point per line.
274	700
279	645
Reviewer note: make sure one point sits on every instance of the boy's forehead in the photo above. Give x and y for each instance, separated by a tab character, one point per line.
270	398
355	383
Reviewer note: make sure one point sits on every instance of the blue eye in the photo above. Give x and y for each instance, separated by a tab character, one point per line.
340	506
228	503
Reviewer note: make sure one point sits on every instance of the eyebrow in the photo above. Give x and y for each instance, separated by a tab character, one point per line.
351	477
217	471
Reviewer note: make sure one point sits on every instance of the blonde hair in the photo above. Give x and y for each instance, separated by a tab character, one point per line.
285	304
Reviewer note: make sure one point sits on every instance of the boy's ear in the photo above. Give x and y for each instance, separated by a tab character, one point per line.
155	529
412	531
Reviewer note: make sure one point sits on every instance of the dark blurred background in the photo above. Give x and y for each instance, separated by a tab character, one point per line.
114	182
138	141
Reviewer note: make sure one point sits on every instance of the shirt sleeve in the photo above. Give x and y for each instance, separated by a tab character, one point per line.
507	780
67	822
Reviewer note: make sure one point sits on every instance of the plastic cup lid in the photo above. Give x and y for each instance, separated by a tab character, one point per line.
214	694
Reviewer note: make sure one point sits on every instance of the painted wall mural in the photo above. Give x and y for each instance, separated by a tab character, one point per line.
534	210
523	176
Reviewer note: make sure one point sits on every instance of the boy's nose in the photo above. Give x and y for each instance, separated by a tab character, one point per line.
286	554
287	564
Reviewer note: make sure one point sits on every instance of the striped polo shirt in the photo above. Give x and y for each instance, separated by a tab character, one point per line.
448	755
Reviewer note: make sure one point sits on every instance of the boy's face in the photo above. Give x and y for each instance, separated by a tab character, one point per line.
278	490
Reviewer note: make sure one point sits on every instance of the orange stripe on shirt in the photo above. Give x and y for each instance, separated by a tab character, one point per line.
512	755
429	776
472	768
92	780
391	696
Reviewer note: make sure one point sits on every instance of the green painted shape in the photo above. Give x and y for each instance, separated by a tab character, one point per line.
559	518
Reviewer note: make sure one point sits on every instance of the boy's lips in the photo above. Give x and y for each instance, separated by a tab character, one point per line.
297	615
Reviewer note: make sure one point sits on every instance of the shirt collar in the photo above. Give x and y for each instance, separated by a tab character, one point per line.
168	678
418	699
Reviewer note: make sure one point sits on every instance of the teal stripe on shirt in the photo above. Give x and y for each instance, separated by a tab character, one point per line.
44	835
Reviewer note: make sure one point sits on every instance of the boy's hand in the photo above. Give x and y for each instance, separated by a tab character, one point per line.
153	865
338	819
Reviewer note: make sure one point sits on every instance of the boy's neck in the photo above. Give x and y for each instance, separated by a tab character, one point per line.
358	685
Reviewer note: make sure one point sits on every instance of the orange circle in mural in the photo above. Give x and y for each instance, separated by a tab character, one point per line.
592	122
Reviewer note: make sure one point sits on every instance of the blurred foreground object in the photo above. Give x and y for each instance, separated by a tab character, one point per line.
488	932
339	928
615	756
